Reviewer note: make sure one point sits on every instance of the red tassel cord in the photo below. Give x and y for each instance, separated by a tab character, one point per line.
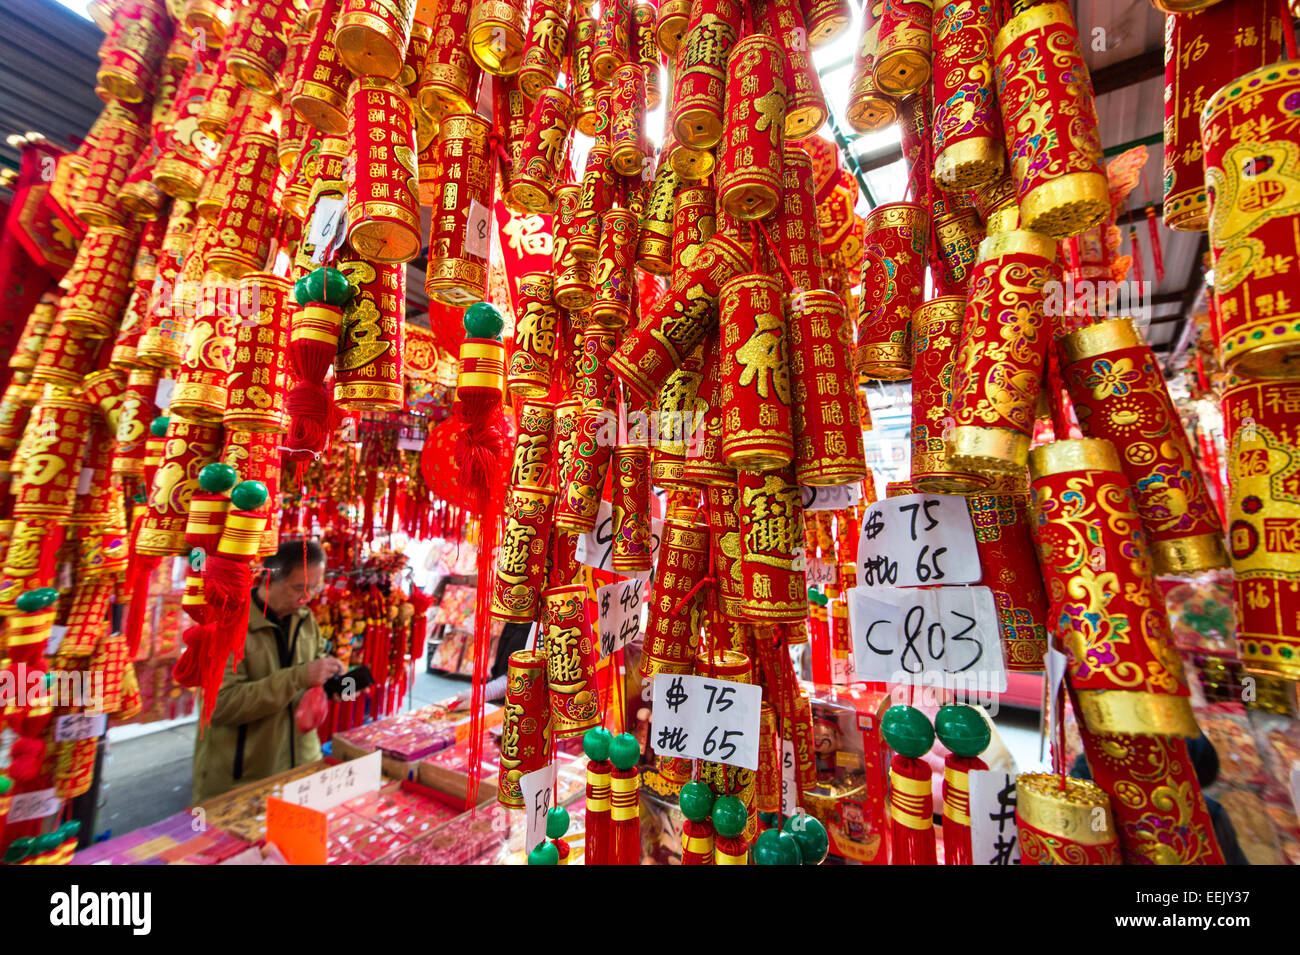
1157	255
625	817
911	811
598	812
697	843
956	807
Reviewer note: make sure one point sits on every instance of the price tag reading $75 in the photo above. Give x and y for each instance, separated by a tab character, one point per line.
695	717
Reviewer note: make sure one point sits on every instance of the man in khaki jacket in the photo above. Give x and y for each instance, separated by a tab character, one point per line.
253	733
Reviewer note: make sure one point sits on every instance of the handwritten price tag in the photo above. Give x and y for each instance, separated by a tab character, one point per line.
819	573
993	836
596	548
537	788
695	717
299	832
328	222
914	636
917	540
476	230
789	794
325	790
162	397
34	805
619	605
79	726
834	498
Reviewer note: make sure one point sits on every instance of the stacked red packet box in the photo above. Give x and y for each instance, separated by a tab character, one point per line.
370	827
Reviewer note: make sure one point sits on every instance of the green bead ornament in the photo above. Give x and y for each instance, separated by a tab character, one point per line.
218	477
696	801
770	820
596	743
962	729
249	495
544	854
33	600
729	816
810	834
774	847
907	731
322	286
624	751
18	850
557	822
483	320
817	597
6	784
158	426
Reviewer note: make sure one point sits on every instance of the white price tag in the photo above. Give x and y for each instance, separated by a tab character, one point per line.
993	837
328	223
1295	787
83	480
789	790
1056	664
486	101
79	726
410	444
57	633
596	548
946	636
34	805
477	236
695	717
324	790
537	788
819	573
918	540
163	396
619	605
833	498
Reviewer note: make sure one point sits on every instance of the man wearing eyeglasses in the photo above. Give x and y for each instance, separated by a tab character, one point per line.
253	733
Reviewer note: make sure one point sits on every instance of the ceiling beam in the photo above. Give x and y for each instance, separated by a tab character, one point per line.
1147	65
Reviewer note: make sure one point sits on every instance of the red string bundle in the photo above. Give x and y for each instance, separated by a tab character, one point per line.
311	352
911	841
598	834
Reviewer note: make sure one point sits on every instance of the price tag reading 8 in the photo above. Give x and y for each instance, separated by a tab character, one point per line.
701	718
917	540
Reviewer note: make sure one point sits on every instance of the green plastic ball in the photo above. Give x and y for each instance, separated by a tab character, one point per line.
775	847
483	320
158	426
624	751
218	477
557	822
811	835
769	820
322	286
962	729
729	816
544	854
6	784
249	495
197	556
696	801
18	850
907	731
32	600
596	744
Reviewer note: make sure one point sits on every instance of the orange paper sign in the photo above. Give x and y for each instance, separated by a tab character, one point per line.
298	832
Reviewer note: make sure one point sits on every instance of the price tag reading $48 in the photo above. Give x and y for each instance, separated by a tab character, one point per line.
620	606
917	540
695	717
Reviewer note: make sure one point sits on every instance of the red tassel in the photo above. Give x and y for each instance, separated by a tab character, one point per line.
697	843
1138	266
490	529
911	809
730	850
625	817
137	586
308	402
1157	256
956	805
598	834
481	445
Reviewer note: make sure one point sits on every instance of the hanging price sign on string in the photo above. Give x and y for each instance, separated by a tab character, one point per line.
695	717
619	605
327	226
789	794
836	497
917	540
923	637
596	547
993	835
537	788
477	230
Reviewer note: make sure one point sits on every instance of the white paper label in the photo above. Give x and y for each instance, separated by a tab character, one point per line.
947	636
410	444
328	221
477	230
163	396
486	101
83	480
789	792
57	633
79	726
819	573
917	540
537	788
834	498
1295	787
596	548
993	836
324	790
619	605
1056	663
35	805
695	717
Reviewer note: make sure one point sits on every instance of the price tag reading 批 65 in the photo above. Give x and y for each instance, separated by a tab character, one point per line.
620	605
695	717
917	540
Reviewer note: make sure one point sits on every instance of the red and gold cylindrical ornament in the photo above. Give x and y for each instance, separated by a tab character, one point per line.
382	178
694	219
258	44
457	274
567	416
201	383
144	273
1010	569
256	456
372	36
902	62
241	241
614	275
545	46
1254	234
521	562
825	20
869	109
134	416
531	461
1064	821
58	431
213	17
187	448
893	279
654	252
968	149
92	508
1056	155
32	340
798	237
749	164
629	147
1004	342
218	106
915	115
799	730
496	35
767	779
958	234
259	369
676	422
771	546
671	22
188	153
613	39
806	109
22	564
526	728
936	334
700	80
203	527
582	45
705	463
724	544
88	617
368	368
594	199
534	178
1119	393
122	137
579	504
1198	64
529	371
132	52
672	634
65	361
93	305
756	429
681	319
630	504
827	425
1106	611
1262	419
646	51
596	380
571	658
320	89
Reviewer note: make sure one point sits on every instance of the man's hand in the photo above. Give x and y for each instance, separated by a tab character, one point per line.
318	671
